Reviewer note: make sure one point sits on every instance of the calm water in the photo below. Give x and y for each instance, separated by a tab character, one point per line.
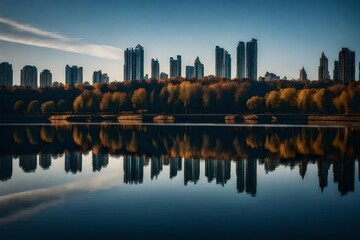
180	182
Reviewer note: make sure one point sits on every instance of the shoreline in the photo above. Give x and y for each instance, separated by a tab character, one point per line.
317	119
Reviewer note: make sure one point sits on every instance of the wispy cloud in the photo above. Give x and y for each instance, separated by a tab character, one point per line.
16	32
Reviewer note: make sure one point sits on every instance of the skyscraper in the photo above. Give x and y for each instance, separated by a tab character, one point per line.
105	78
323	68
347	65
303	75
190	72
175	66
29	76
97	77
199	69
164	76
134	63
251	59
6	74
155	69
73	75
240	60
45	78
222	63
336	76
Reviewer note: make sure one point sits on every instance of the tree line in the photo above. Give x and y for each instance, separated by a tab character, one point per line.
179	96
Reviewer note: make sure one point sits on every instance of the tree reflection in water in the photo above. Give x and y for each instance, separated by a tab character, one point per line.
182	148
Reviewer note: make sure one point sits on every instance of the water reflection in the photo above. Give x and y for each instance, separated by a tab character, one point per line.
182	148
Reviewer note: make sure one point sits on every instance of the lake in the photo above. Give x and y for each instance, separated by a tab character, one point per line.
185	181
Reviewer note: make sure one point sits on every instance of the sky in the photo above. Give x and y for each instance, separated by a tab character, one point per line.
50	34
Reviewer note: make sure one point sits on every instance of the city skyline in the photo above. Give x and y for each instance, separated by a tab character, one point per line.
285	43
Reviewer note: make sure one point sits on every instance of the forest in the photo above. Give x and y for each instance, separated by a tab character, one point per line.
185	96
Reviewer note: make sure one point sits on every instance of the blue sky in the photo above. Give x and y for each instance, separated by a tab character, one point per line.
290	34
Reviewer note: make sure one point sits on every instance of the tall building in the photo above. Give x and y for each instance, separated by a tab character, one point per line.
303	75
175	66
222	63
271	76
164	76
323	68
199	69
6	74
73	75
155	69
29	76
251	59
336	72
105	78
134	63
190	72
240	60
97	77
347	65
45	78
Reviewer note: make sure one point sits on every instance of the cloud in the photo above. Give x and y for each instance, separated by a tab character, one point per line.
23	204
15	32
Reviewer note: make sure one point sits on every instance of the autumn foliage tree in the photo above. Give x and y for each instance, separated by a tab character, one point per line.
177	95
256	104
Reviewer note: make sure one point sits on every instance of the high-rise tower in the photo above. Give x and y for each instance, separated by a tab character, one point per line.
240	60
347	65
222	63
323	68
155	69
29	76
134	63
251	59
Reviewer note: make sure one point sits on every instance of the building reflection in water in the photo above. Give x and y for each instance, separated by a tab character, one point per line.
28	162
175	166
246	172
218	170
181	149
6	167
156	167
99	161
73	162
45	160
133	169
191	170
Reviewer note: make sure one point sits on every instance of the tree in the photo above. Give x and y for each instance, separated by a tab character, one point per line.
33	107
19	106
87	101
138	98
272	100
48	107
288	96
106	103
256	104
342	102
61	106
185	94
119	100
304	100
319	98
